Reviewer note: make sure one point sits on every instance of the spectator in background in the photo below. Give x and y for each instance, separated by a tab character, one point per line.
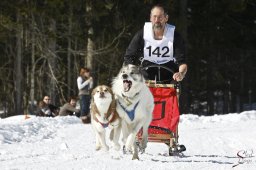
69	108
85	84
46	108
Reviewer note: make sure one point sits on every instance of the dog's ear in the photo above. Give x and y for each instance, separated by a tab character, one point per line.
124	64
111	92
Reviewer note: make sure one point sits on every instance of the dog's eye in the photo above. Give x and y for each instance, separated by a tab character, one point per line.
98	91
105	90
132	72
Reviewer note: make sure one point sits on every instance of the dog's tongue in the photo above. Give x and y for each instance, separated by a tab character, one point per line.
126	86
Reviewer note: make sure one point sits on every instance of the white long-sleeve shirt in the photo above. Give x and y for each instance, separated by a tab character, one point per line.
84	86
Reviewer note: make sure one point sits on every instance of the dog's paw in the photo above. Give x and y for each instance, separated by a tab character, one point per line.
105	148
135	156
129	143
127	150
142	145
97	147
142	148
117	147
115	155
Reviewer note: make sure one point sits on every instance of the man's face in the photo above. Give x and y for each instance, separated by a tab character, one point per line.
73	102
87	74
158	18
47	99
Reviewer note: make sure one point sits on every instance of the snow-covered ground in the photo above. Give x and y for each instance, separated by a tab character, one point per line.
216	142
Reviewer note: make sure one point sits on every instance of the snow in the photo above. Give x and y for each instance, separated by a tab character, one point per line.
65	143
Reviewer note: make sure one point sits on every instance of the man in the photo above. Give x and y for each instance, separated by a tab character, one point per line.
158	44
69	108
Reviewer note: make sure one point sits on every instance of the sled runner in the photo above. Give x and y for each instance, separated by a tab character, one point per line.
164	126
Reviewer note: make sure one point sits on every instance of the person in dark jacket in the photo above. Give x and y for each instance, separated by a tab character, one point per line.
158	44
69	108
45	108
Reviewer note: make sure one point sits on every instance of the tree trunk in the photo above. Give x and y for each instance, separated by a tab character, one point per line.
18	76
90	43
32	75
53	61
89	53
69	48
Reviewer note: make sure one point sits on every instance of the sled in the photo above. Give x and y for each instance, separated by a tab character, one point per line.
164	126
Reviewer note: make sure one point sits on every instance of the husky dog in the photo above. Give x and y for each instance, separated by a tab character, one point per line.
135	105
103	111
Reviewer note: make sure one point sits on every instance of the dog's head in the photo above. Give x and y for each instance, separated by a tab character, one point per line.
102	93
103	100
131	76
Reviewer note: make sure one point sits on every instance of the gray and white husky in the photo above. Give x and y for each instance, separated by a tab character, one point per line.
135	105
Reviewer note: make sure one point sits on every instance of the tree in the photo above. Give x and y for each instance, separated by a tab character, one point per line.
44	43
90	32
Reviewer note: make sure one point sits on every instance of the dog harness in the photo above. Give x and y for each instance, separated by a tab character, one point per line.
130	113
105	125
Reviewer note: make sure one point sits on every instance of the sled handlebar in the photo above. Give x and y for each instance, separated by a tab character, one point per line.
160	66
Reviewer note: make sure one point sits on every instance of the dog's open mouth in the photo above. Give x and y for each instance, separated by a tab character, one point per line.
127	85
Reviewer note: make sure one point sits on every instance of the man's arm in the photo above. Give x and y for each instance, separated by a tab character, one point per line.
180	56
70	108
179	49
135	49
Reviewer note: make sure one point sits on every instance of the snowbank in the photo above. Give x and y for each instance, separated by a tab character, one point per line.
212	142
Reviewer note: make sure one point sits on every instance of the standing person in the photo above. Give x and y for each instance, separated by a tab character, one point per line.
85	84
158	44
45	108
69	108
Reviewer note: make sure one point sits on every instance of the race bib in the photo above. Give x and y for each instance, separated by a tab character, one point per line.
158	51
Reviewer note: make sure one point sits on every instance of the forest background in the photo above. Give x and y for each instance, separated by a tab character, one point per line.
43	44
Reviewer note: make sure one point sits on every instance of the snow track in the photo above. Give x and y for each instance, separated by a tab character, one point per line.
65	143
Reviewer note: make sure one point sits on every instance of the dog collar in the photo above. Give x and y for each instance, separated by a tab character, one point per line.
126	98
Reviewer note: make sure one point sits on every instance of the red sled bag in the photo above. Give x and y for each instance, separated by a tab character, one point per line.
166	111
